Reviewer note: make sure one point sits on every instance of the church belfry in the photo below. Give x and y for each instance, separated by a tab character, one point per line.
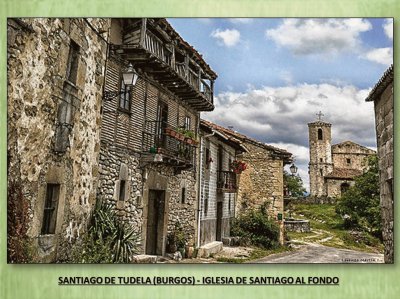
320	155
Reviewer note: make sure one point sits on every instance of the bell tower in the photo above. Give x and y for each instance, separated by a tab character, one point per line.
320	155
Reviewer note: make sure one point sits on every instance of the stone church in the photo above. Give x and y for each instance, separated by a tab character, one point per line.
332	168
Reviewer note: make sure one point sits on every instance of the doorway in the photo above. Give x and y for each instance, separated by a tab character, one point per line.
218	236
155	222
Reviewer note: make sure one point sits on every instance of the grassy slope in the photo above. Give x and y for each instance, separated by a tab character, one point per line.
325	223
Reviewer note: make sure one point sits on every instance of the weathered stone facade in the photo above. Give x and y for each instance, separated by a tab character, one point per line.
382	95
55	80
146	174
333	167
262	181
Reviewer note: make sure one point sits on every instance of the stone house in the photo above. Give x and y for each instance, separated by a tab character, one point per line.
149	152
218	182
262	181
332	168
55	71
382	96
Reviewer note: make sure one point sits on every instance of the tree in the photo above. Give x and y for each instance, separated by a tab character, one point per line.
359	205
294	183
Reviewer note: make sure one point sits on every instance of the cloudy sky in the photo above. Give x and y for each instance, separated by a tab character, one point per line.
276	74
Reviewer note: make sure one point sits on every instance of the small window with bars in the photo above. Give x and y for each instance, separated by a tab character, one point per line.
183	195
50	209
122	186
73	61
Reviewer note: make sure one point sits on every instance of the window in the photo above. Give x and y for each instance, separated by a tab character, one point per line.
320	171
183	195
348	160
122	185
320	160
72	64
50	209
187	122
208	158
229	204
125	97
319	134
205	205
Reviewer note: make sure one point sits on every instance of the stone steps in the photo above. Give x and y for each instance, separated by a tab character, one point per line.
209	249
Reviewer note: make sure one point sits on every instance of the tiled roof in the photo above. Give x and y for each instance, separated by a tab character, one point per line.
343	173
383	82
237	137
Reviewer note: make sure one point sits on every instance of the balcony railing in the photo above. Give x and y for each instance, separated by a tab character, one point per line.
154	45
226	182
158	139
172	66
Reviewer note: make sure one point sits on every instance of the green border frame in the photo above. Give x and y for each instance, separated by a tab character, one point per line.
41	281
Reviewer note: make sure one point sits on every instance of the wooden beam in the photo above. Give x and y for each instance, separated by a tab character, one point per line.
143	31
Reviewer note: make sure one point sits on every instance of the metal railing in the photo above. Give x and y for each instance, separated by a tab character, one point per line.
226	181
158	138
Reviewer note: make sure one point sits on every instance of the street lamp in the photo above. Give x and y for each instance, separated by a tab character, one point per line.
129	76
293	169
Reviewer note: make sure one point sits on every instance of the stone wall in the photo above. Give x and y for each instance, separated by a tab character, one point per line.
54	102
118	163
300	226
384	132
320	156
350	155
261	182
334	186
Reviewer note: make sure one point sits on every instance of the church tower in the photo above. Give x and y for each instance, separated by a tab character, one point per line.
320	155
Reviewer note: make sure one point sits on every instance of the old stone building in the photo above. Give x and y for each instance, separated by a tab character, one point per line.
55	73
382	96
262	181
218	182
333	167
149	152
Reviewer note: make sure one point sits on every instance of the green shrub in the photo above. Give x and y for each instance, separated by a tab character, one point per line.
108	240
256	228
359	206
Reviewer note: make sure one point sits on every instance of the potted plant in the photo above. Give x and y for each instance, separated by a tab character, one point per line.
238	166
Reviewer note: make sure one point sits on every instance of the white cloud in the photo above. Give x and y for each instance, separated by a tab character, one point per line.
388	28
279	115
241	20
319	36
228	37
380	55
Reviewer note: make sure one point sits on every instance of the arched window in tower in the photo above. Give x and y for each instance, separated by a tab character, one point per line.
319	134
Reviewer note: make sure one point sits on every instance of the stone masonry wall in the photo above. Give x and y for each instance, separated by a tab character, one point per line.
320	157
355	153
43	102
261	182
384	132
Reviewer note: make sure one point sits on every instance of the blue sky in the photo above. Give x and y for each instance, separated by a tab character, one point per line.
276	74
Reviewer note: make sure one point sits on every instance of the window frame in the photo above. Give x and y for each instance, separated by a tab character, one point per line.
124	97
50	209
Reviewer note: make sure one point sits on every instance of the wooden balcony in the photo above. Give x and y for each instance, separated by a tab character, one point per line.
152	50
226	182
161	146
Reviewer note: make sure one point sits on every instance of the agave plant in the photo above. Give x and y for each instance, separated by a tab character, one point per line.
108	229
